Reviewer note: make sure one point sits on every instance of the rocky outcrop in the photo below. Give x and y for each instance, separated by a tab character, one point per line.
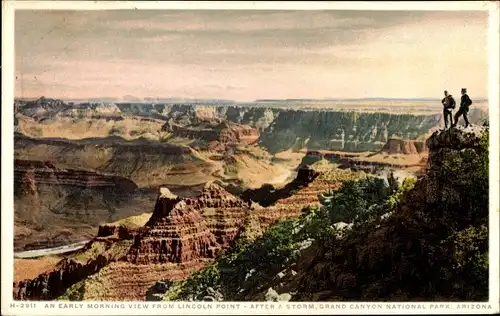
236	133
181	236
55	206
410	153
289	201
267	195
53	283
445	214
175	233
387	250
186	229
223	213
219	132
405	147
306	196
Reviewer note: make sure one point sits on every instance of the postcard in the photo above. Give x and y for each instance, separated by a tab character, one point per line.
250	157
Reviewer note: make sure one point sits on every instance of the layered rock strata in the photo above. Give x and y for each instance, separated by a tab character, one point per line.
405	147
148	164
45	173
181	236
219	132
175	233
55	206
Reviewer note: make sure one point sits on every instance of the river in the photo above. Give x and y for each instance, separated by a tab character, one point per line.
50	251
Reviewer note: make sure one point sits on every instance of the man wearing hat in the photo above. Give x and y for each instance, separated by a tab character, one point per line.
448	105
465	102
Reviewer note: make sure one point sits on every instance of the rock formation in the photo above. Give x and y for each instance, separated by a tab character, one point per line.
176	232
283	129
55	206
427	242
406	154
405	147
276	128
45	173
224	214
51	284
181	236
289	200
445	214
219	132
147	164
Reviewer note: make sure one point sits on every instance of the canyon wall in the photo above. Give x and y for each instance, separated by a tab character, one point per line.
55	206
181	236
148	164
342	131
221	132
283	129
277	129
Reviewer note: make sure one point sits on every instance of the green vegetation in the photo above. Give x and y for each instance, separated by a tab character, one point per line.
433	246
133	221
96	248
407	185
89	288
94	286
250	263
372	239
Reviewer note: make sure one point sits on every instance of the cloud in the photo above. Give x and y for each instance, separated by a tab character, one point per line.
250	54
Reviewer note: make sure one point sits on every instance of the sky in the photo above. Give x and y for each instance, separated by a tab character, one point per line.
246	55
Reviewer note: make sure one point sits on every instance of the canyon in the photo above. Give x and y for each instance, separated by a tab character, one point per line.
209	173
48	200
181	236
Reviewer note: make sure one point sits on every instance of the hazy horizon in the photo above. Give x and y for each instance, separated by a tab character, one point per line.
146	99
250	55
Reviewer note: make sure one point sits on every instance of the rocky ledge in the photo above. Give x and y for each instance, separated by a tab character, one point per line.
46	173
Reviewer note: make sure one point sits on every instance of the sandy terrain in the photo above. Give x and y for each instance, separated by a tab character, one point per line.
30	268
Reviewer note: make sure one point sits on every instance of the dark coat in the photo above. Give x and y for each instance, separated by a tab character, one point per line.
465	101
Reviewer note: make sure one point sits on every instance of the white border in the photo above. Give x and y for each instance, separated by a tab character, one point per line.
8	76
494	176
258	5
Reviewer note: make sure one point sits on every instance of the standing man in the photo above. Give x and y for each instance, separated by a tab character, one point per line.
448	105
465	102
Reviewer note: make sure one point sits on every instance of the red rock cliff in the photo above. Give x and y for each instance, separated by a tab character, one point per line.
222	133
178	234
223	212
182	236
405	147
